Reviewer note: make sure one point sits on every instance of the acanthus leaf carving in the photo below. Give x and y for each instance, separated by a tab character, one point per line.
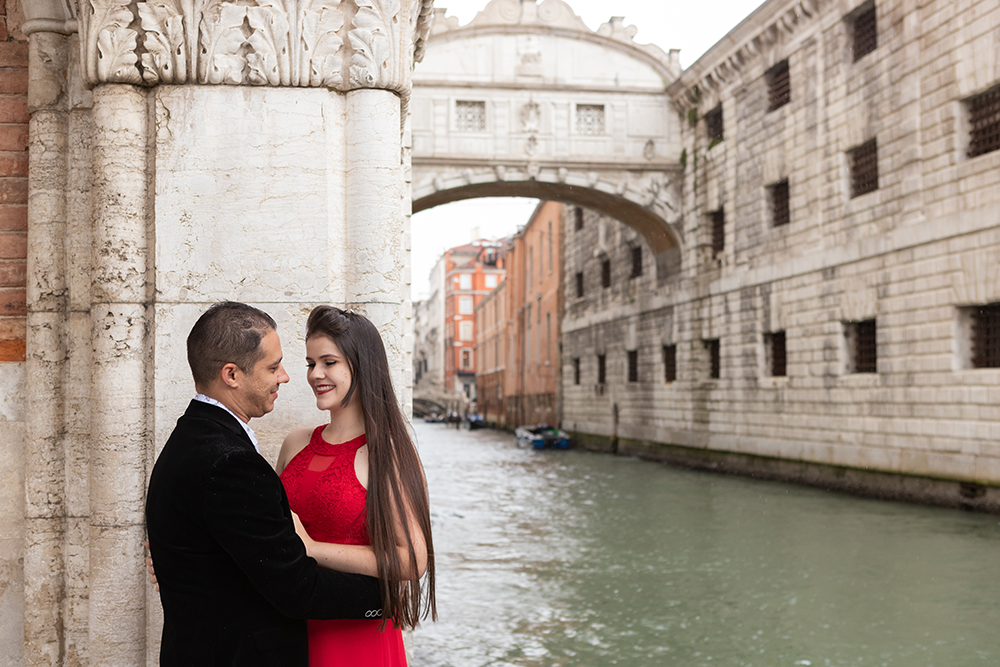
373	39
222	41
165	57
113	42
322	46
270	62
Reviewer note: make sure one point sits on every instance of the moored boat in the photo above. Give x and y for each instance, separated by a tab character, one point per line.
542	436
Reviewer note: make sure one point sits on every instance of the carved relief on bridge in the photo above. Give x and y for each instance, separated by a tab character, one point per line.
340	44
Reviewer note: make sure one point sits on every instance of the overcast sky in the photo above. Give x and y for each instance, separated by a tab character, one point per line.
691	26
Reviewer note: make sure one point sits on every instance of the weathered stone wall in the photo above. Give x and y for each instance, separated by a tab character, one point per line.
911	255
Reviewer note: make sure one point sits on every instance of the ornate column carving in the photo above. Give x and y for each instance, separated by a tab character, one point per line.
338	44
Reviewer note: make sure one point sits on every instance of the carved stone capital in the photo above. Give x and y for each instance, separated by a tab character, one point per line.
339	44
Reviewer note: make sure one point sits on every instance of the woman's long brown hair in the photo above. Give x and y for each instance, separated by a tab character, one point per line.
396	476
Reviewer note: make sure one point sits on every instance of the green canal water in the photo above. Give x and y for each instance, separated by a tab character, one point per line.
572	558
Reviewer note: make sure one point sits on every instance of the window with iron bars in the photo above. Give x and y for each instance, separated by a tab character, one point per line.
984	122
578	215
714	358
864	168
579	284
779	86
633	365
778	197
865	31
636	262
718	231
986	336
862	347
601	369
775	350
576	371
606	273
713	124
590	119
669	363
470	116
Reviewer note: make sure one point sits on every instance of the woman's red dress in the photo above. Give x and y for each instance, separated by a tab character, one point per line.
324	491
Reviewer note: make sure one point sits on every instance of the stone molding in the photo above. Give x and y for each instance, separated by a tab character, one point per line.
557	17
338	44
772	23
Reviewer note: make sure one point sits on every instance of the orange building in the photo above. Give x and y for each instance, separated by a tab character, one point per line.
471	272
491	347
529	340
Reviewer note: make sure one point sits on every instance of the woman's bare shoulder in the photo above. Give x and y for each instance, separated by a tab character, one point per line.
294	443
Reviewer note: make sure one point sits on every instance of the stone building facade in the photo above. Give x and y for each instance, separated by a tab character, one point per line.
833	317
491	354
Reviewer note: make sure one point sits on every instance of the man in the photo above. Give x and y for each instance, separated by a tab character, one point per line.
235	581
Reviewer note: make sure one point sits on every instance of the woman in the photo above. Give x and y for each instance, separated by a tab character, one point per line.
358	489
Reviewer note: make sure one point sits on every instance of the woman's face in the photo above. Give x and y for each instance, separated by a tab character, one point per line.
329	375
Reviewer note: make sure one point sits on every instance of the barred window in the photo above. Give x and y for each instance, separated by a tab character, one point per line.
601	369
779	86
862	348
984	122
636	262
718	231
579	284
606	273
633	365
714	358
865	32
590	119
780	214
775	350
576	371
578	215
864	168
470	116
669	363
986	336
713	124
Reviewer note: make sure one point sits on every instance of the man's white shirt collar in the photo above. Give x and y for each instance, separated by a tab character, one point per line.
246	427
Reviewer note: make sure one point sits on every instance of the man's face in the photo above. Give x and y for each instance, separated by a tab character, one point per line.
259	389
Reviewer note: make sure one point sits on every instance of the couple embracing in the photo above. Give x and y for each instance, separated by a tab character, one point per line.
340	535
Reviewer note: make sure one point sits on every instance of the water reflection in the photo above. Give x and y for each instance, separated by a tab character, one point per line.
569	558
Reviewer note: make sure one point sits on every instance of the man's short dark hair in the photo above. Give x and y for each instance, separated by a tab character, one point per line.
227	333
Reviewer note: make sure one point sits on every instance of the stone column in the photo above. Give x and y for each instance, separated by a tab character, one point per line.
45	509
119	384
375	259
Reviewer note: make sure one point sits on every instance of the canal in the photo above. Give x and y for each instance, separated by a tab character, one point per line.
573	558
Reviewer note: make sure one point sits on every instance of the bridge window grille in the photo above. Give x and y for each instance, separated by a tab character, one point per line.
984	122
633	365
780	212
601	369
864	168
862	347
779	86
636	262
578	216
606	273
718	231
470	116
777	358
669	363
865	31
986	336
590	119
579	284
576	371
713	124
714	358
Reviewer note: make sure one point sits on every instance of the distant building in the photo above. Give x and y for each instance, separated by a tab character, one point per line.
525	370
491	354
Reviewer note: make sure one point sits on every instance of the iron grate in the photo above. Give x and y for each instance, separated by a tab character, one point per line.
780	214
576	371
865	34
864	169
779	86
715	358
633	365
669	363
718	231
986	336
579	284
636	262
779	366
866	348
713	124
984	121
601	369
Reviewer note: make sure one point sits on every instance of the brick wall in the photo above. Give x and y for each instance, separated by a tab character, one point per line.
13	188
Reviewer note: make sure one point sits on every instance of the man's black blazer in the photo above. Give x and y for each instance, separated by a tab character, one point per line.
235	581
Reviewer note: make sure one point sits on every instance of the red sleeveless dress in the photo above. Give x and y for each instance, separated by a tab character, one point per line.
324	491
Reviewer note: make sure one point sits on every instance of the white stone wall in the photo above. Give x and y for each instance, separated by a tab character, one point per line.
11	514
911	255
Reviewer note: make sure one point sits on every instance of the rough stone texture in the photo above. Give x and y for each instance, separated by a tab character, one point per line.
912	254
11	515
